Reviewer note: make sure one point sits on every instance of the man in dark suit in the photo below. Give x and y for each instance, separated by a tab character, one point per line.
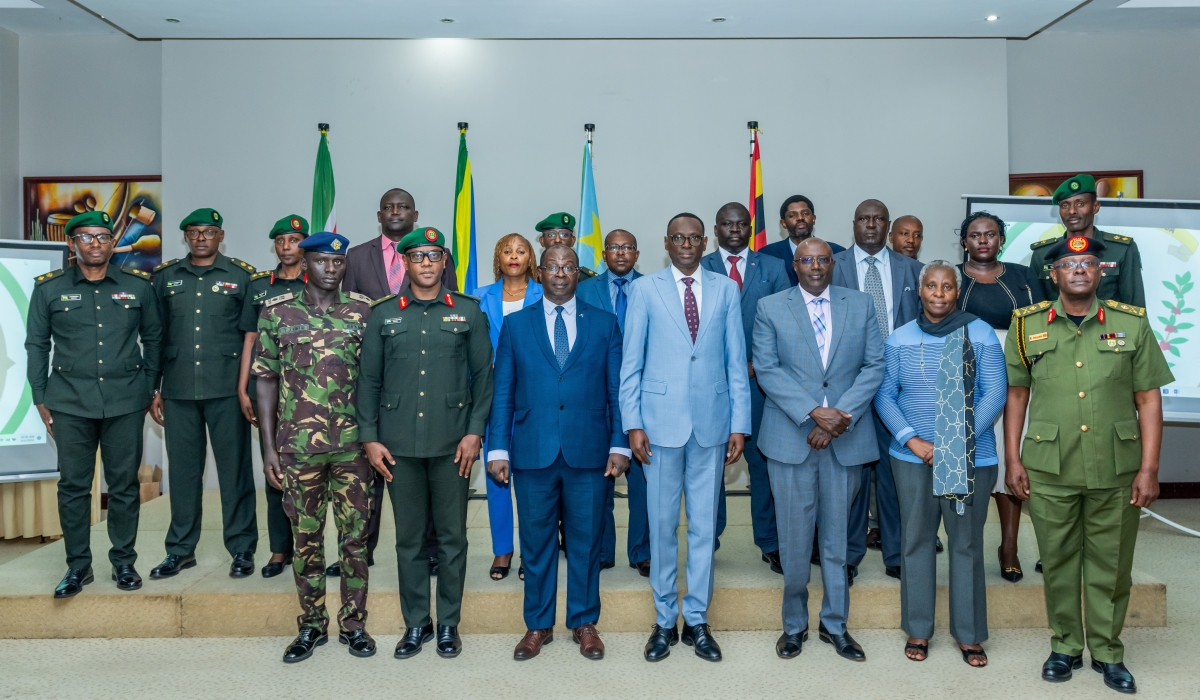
556	422
798	217
608	291
892	281
757	276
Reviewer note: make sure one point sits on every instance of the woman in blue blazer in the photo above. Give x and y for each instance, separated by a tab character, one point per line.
515	267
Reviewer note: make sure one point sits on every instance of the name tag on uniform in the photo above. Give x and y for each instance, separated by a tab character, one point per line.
1038	336
123	296
1107	265
174	283
352	327
284	330
71	297
454	318
386	321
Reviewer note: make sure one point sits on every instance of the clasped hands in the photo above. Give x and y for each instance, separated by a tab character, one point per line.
828	424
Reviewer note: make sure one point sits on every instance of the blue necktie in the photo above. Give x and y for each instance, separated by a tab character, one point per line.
561	346
621	303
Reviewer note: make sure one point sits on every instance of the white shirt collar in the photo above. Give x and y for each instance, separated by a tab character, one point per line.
742	256
678	274
568	307
809	297
860	255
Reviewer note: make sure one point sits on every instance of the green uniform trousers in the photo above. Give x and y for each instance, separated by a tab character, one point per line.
1086	538
420	487
184	425
120	441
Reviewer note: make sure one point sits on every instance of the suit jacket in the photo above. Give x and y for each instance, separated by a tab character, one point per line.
365	273
491	300
789	371
595	291
906	272
539	410
764	276
672	387
783	251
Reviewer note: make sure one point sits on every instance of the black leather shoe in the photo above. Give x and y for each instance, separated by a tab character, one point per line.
448	643
1116	676
127	577
772	558
73	582
173	564
414	638
893	571
938	546
1058	667
643	568
242	566
607	564
1038	566
658	647
433	566
302	646
789	645
274	568
851	574
700	637
361	644
815	559
333	571
845	645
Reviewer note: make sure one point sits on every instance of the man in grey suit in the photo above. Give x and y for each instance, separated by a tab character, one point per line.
818	355
757	276
891	281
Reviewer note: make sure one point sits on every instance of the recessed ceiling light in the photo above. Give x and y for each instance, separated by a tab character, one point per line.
992	18
718	19
447	20
172	20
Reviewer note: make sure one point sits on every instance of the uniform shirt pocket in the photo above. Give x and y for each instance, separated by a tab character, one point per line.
1116	361
458	329
1040	449
1127	446
395	339
1042	354
389	402
296	350
457	399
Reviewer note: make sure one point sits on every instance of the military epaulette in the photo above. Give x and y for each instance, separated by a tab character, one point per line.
1043	242
260	275
165	264
359	297
377	302
279	299
244	265
136	272
47	277
1127	308
1117	238
466	296
1027	310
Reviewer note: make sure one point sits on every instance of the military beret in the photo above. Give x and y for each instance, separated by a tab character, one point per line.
1074	245
289	224
89	218
325	242
560	220
422	236
201	217
1080	184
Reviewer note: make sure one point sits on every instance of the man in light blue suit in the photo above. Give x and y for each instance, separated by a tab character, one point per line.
757	276
556	420
609	291
685	401
891	281
819	358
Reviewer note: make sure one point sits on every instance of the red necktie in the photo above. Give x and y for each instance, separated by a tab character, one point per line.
733	271
690	312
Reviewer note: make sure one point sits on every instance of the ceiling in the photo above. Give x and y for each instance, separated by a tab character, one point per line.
577	19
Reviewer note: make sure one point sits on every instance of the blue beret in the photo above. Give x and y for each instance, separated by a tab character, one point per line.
325	242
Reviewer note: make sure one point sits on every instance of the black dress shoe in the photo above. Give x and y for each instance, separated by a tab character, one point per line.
361	644
242	566
789	645
851	574
607	564
1116	676
173	564
815	559
772	558
433	566
1058	667
843	643
700	637
127	577
937	545
414	638
370	560
333	571
302	646
274	568
448	643
658	647
73	582
893	571
1038	566
643	567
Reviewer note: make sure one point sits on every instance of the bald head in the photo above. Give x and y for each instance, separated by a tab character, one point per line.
906	236
871	221
813	264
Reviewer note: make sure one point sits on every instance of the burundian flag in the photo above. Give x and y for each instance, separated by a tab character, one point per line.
589	240
758	218
463	238
324	205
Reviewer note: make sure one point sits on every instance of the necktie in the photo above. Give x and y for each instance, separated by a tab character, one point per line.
873	285
622	301
690	311
819	325
733	271
395	273
561	346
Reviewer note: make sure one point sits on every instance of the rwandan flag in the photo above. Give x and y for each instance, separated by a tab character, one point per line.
758	218
589	240
463	238
324	207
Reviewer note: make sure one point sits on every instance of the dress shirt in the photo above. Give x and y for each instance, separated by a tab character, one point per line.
883	263
741	263
612	288
681	287
389	257
828	329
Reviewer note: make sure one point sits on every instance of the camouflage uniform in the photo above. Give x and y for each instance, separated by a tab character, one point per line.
315	357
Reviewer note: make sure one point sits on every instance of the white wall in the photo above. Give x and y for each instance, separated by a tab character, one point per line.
10	157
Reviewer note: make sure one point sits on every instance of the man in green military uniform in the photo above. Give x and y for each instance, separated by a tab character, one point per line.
201	300
287	277
307	368
423	402
1120	261
559	229
1089	373
96	390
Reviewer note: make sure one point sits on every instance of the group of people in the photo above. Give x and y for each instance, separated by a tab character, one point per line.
830	369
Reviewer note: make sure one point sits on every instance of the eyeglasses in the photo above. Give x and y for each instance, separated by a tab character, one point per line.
558	235
627	248
1068	266
810	259
416	256
554	269
677	239
206	233
87	238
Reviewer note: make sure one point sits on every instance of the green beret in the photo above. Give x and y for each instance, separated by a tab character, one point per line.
89	218
427	235
1068	246
560	220
201	217
1080	184
289	224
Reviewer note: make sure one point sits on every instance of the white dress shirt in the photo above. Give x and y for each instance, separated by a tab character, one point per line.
828	329
883	264
741	263
681	287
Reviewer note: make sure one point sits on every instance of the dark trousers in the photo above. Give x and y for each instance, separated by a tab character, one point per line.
762	501
637	537
184	424
887	504
119	439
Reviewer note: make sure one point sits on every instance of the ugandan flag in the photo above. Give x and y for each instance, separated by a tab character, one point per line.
758	219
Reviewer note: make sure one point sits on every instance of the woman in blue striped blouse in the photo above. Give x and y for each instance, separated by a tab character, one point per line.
944	386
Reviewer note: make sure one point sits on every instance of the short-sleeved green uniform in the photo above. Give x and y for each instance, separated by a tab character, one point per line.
97	388
1120	262
1082	450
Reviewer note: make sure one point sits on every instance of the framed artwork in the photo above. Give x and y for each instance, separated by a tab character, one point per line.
133	203
1117	184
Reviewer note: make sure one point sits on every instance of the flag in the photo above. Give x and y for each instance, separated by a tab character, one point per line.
589	240
324	209
463	237
758	218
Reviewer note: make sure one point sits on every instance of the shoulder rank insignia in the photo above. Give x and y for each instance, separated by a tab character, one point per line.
244	265
1027	310
359	297
377	302
135	272
1127	308
1043	242
448	299
48	276
1117	238
260	275
165	264
288	296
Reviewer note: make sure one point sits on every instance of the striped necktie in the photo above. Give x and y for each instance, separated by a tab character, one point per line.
395	273
820	325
